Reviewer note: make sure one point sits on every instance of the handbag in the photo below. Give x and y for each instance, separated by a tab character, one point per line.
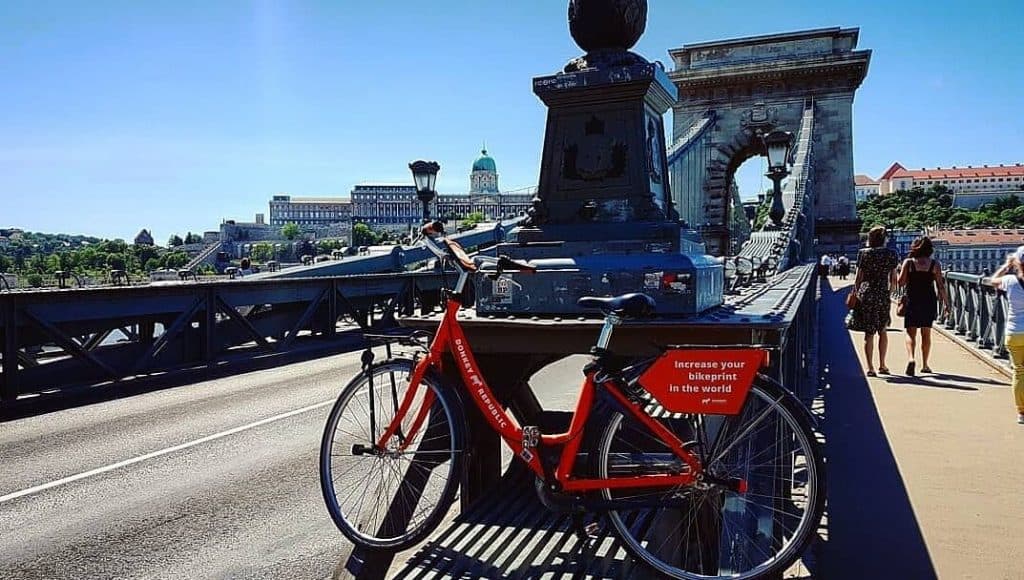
852	299
901	306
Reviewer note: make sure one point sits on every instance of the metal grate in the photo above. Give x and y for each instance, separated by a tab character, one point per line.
510	534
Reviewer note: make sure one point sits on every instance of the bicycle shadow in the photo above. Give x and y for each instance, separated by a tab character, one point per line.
512	535
872	529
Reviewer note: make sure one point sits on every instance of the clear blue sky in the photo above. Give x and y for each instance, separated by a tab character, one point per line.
174	115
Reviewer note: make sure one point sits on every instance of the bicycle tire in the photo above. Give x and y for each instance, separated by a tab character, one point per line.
633	526
391	521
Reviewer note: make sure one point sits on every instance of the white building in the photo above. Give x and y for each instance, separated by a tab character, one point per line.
865	187
974	251
393	207
1001	179
309	211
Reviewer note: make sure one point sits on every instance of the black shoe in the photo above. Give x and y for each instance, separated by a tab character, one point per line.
910	369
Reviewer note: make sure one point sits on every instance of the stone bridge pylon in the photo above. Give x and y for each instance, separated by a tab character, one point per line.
731	92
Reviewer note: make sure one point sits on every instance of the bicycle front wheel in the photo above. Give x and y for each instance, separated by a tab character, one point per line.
715	528
391	498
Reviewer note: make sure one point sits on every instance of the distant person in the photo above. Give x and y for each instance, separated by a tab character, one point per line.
1010	279
843	267
826	266
921	275
876	277
246	267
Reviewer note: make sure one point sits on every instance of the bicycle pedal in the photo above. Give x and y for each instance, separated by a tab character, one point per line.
585	531
531	436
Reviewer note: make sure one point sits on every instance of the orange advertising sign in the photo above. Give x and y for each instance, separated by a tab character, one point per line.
712	382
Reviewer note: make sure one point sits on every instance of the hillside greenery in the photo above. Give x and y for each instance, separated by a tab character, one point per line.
40	255
919	208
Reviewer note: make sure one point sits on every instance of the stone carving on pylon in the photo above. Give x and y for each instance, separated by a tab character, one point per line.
759	117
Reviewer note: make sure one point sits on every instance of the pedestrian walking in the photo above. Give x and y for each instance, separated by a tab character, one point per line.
1010	279
876	277
825	267
843	267
921	276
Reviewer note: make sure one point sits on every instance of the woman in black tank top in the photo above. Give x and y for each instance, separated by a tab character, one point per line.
922	277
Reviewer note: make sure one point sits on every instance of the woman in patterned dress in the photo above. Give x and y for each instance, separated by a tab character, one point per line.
876	277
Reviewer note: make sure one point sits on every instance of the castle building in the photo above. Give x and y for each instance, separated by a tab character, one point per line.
484	176
392	207
395	207
985	180
309	211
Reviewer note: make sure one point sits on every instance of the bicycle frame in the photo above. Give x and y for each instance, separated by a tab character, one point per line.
451	338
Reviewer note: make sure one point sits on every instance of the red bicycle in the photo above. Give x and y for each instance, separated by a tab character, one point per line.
704	466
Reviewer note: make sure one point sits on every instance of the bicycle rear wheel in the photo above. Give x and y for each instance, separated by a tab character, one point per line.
392	498
713	529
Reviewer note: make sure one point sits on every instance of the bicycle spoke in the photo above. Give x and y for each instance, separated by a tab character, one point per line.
763	445
389	496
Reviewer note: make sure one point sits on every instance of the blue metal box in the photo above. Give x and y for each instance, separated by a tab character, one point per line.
681	284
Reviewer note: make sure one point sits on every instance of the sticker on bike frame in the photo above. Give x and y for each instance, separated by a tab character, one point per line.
710	382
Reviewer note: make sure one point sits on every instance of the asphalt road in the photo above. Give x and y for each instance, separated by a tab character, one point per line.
217	479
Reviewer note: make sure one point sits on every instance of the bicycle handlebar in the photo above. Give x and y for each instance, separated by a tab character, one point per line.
432	233
431	229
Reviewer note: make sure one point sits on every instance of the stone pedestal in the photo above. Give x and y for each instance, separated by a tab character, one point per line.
604	154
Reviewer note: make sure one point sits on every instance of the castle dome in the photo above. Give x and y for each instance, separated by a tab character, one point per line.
484	163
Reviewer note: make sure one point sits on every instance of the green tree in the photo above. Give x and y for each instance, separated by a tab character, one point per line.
35	280
152	264
262	253
917	208
58	261
144	253
6	264
761	215
175	241
38	263
116	261
290	231
114	246
362	235
328	246
472	219
175	260
191	238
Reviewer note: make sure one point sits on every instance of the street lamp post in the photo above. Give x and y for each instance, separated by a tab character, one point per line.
778	145
424	174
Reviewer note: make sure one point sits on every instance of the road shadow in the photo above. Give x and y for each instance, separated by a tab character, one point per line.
872	529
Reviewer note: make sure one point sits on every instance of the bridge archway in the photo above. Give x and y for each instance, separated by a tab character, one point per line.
732	92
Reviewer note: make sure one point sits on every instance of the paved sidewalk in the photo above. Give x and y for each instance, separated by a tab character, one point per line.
926	474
